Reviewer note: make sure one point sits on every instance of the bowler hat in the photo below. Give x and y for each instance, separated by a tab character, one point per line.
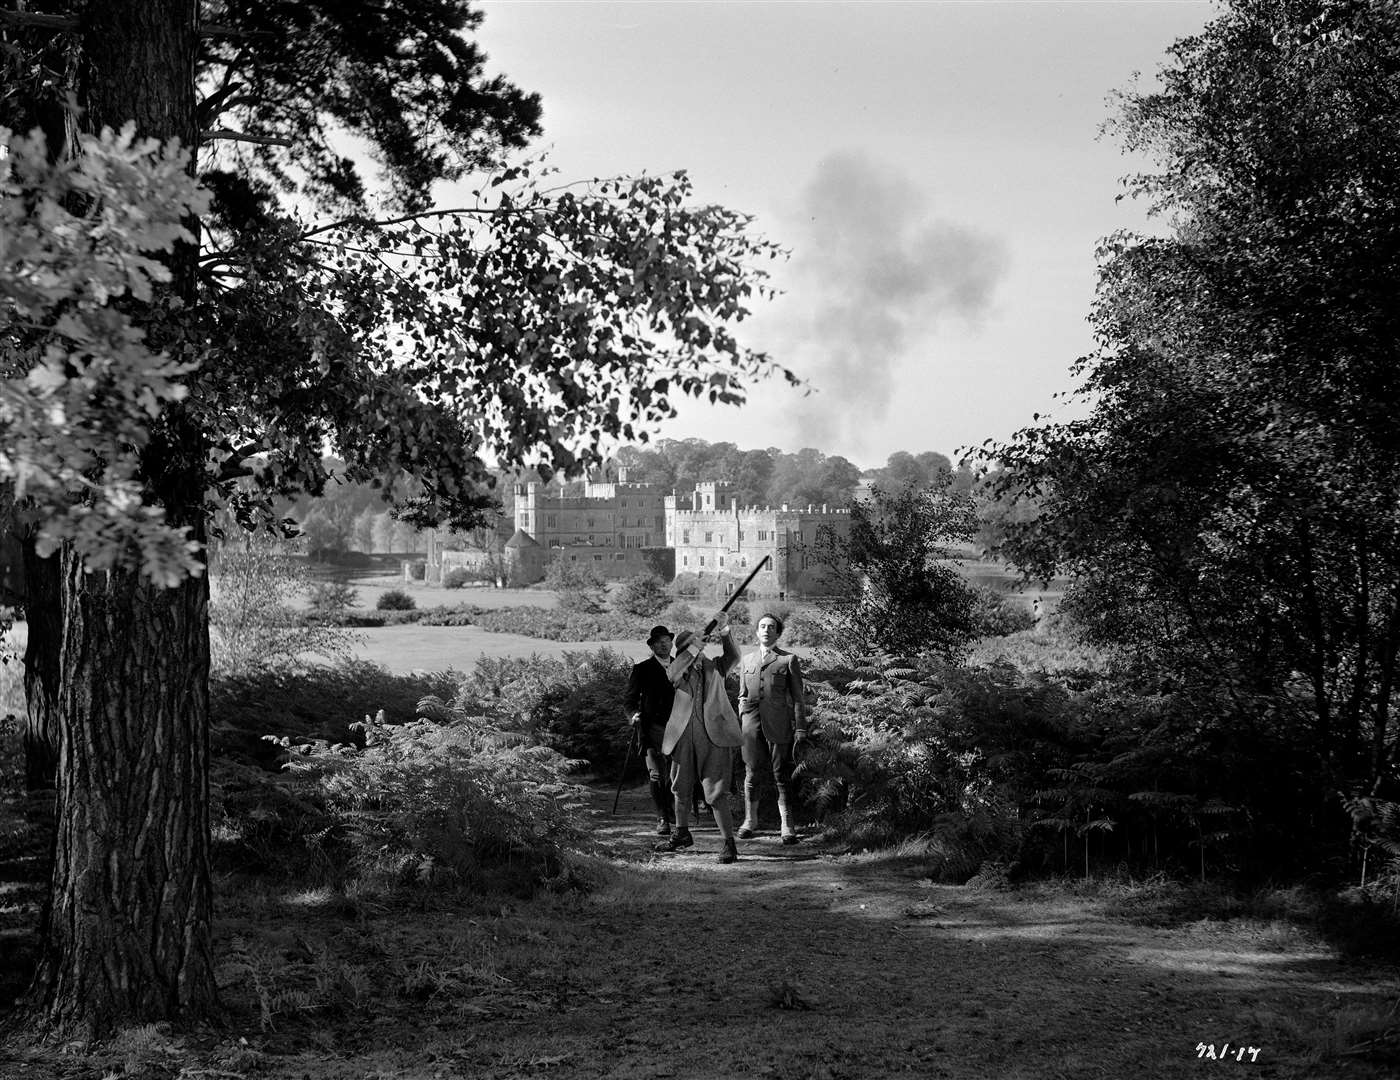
658	631
683	642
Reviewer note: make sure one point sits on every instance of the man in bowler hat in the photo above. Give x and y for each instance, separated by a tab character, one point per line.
648	705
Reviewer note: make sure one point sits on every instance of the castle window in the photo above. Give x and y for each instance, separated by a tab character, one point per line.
721	560
685	560
685	536
619	555
709	538
702	560
597	558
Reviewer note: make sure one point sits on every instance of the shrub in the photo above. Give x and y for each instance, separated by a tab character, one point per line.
579	584
418	571
457	577
573	704
457	800
337	557
644	595
994	614
686	584
395	600
678	615
317	703
250	621
563	625
460	801
329	599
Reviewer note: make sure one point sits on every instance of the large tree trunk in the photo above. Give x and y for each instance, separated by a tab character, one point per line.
126	935
126	932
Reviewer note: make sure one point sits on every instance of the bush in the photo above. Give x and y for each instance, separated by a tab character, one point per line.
457	577
686	584
317	703
579	584
418	571
251	622
564	625
461	801
678	616
413	801
644	595
994	614
329	599
573	704
395	600
336	557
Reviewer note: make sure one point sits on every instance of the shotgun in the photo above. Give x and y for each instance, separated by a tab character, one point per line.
683	660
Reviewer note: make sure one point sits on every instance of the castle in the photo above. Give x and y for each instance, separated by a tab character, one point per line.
624	527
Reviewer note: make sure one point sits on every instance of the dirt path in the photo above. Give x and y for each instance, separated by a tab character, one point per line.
793	963
798	964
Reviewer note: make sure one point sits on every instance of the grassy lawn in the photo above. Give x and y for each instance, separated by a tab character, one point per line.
411	647
370	586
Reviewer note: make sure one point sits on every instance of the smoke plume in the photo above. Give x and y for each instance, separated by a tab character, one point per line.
873	276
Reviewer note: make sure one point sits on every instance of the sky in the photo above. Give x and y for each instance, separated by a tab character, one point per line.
935	169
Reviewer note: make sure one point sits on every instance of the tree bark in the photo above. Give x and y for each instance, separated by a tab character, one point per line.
125	937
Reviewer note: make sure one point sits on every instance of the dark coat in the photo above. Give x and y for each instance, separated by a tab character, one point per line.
650	693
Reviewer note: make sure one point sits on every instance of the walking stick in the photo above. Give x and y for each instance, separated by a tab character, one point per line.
626	760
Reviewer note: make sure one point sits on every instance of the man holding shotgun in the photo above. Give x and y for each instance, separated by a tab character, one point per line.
701	735
703	729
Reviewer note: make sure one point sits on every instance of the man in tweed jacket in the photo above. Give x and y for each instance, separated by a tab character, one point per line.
773	719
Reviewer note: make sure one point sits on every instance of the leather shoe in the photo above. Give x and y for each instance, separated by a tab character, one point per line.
680	839
791	838
663	828
729	852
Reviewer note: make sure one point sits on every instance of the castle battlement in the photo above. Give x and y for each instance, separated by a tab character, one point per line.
610	522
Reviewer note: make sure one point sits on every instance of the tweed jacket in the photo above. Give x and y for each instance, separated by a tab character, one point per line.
721	724
771	695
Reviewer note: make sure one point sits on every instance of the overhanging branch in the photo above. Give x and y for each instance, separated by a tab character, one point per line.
239	136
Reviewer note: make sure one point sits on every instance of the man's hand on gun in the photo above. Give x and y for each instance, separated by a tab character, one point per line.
721	629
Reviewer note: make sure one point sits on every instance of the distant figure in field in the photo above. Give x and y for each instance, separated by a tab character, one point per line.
1037	610
648	705
700	737
773	716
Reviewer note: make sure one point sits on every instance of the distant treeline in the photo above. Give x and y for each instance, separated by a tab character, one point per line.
355	517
